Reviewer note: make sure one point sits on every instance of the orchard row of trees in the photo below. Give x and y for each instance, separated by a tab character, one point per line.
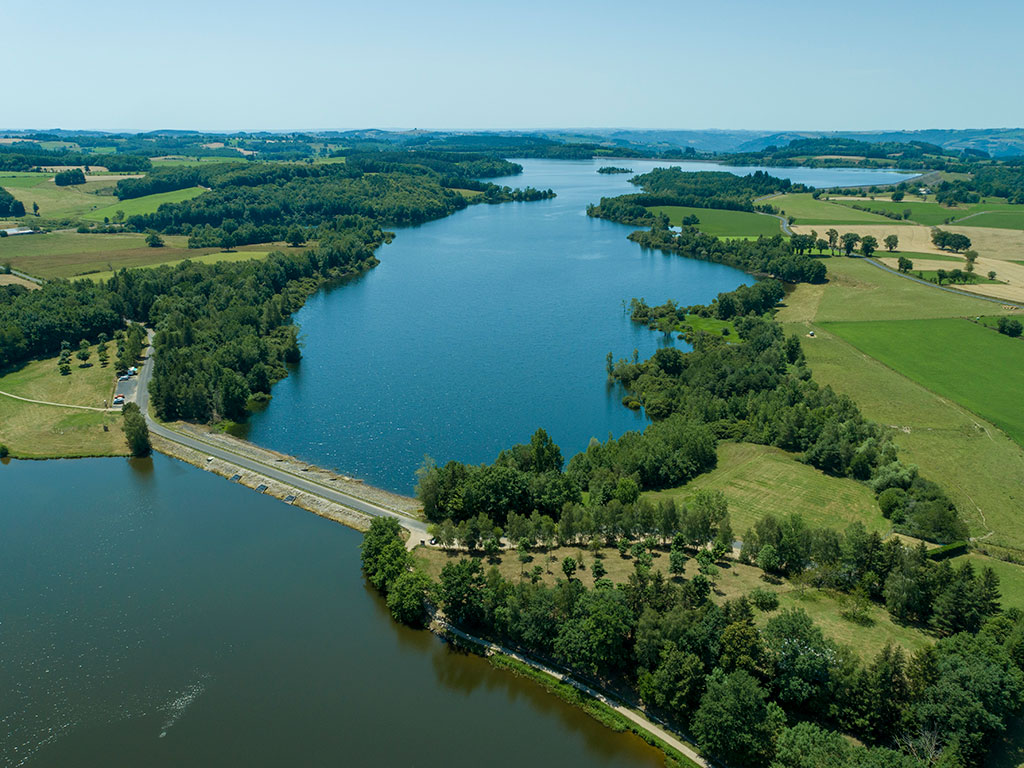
780	696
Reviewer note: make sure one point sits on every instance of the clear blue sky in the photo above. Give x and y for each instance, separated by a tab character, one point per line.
318	64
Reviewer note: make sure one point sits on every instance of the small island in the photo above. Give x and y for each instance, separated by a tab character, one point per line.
614	169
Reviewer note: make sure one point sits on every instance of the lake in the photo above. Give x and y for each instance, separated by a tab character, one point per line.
154	614
477	329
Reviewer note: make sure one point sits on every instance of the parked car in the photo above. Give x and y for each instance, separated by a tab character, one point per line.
126	377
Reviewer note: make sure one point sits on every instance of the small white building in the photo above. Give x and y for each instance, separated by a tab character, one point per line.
19	231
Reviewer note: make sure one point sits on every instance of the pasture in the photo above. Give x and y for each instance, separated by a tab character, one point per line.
985	378
758	479
722	223
65	202
142	205
858	290
930	214
809	211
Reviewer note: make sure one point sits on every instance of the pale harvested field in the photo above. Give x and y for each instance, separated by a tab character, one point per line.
1013	275
992	243
15	280
59	168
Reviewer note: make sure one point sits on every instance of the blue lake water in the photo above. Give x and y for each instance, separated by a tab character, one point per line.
477	329
154	614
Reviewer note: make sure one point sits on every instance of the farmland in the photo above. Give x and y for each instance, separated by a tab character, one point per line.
141	205
809	211
722	223
70	254
989	214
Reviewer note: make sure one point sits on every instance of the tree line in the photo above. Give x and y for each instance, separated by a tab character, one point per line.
10	206
780	696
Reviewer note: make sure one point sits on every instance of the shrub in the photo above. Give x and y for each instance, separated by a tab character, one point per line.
3	451
892	502
763	600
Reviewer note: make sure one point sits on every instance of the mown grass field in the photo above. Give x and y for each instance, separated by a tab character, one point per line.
912	255
758	480
988	214
954	358
734	580
64	202
141	205
70	254
809	211
979	466
722	223
44	431
205	258
22	179
858	290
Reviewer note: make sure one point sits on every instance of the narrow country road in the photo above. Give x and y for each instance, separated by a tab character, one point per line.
417	528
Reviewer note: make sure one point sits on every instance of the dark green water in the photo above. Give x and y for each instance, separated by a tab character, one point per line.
155	615
152	614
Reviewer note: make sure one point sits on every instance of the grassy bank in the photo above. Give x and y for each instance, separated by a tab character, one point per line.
596	709
141	205
722	223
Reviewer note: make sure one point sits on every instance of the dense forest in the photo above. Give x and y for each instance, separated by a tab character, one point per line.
835	151
776	256
254	203
695	189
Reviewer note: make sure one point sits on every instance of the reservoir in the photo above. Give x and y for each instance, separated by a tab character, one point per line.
477	329
154	614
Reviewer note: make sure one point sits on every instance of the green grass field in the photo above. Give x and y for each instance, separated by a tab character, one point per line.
758	479
65	202
69	254
722	223
858	290
954	358
141	205
19	180
977	464
44	431
809	211
988	214
203	258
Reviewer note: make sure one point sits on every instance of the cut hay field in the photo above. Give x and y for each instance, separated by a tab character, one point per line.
989	242
809	211
985	378
142	205
70	254
44	431
722	223
758	479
